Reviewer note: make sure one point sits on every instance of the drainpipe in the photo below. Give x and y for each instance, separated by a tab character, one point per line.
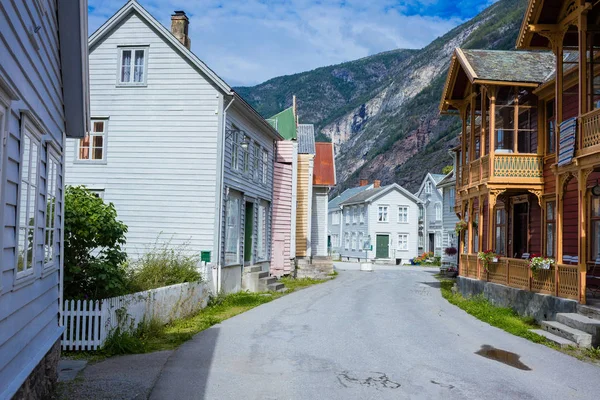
220	194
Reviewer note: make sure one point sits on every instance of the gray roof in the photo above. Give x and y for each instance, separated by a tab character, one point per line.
448	179
511	66
363	196
346	194
438	177
306	139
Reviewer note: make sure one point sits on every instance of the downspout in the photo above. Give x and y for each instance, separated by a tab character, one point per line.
220	194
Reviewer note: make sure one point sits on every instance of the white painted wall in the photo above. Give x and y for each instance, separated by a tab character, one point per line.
319	222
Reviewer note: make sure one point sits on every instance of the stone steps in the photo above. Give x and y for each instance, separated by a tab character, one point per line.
558	340
582	323
274	287
582	339
590	312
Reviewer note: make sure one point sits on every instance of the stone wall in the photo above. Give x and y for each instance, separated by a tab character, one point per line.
542	307
40	384
317	268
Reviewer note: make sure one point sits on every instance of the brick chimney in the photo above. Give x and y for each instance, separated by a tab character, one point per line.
179	28
363	182
376	183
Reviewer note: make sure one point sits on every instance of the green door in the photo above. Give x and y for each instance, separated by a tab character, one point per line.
382	246
248	231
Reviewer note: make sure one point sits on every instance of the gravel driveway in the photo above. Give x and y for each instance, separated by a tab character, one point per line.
386	334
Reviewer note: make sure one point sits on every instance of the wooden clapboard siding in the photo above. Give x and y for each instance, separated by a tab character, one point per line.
570	228
432	226
162	139
571	103
319	221
549	177
304	203
29	304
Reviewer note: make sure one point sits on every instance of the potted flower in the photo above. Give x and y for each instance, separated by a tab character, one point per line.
450	251
487	257
539	263
460	226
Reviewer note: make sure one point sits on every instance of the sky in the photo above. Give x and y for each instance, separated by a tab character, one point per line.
248	42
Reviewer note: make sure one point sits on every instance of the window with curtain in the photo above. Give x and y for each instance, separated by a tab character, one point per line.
232	230
246	156
550	128
28	194
93	146
262	236
500	231
428	187
354	215
256	161
52	210
550	228
133	66
595	228
403	241
403	214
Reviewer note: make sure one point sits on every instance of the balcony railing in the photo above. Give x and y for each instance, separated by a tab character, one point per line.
523	167
561	280
590	129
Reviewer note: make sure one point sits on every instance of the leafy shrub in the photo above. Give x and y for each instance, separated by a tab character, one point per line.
163	266
447	169
94	258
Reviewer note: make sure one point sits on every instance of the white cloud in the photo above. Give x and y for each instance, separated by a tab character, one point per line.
248	42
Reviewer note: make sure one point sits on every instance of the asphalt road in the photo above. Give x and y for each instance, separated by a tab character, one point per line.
387	334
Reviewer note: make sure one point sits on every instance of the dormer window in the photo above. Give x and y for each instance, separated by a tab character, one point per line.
132	66
428	188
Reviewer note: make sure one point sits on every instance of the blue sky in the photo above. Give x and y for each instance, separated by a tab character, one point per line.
249	41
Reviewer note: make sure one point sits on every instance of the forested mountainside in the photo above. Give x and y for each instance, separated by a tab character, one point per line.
382	111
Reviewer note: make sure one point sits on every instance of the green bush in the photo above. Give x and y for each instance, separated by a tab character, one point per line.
94	258
163	266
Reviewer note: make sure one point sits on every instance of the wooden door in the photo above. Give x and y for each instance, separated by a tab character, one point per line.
248	231
520	229
383	246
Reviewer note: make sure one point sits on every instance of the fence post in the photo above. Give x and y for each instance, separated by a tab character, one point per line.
507	263
556	279
530	275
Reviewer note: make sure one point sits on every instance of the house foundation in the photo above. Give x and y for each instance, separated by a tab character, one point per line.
40	384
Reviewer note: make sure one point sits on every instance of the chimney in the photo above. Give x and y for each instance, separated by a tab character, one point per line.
364	182
179	28
376	184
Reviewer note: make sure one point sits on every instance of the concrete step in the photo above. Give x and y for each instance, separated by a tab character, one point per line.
268	280
274	287
255	268
575	335
264	274
582	323
283	290
558	340
590	312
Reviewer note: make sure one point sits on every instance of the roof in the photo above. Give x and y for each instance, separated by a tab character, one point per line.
133	6
306	139
448	179
285	123
324	165
501	67
436	178
542	17
373	193
346	194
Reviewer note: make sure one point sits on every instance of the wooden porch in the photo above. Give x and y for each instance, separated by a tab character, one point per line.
560	281
518	168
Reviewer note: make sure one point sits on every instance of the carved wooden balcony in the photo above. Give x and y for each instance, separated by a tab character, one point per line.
521	169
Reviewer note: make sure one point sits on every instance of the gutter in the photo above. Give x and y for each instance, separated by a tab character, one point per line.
220	195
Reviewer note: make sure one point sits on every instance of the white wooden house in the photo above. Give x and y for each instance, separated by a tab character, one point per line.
184	159
432	216
449	237
43	97
380	224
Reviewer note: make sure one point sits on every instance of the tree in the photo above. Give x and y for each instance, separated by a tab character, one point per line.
93	255
447	169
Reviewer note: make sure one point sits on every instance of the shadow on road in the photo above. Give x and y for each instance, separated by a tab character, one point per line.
432	284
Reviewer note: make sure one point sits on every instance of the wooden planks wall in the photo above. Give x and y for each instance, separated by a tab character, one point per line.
304	204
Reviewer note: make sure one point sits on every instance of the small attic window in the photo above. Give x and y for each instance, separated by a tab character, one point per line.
132	66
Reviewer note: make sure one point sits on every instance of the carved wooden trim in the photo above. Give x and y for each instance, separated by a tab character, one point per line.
538	194
563	181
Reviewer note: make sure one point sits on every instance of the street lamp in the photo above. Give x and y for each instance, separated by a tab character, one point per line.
245	141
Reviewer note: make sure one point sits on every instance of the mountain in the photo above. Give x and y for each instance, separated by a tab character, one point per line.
381	112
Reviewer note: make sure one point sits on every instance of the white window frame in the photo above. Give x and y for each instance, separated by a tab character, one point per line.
265	166
403	241
438	211
347	215
262	231
421	243
246	156
51	225
354	240
335	218
361	241
256	161
452	199
236	228
33	134
90	136
362	214
354	215
403	214
346	241
438	240
428	187
383	214
335	238
133	49
235	149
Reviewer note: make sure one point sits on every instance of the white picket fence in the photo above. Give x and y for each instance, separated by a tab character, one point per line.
88	323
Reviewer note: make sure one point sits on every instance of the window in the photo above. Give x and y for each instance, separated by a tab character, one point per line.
551	128
52	210
438	211
403	214
551	227
595	228
403	241
500	231
335	240
98	192
335	218
133	66
256	161
246	157
428	187
346	241
438	240
361	241
93	146
354	215
28	194
475	232
262	239
515	134
353	241
235	148
382	214
421	240
265	164
232	229
451	199
362	214
421	212
347	215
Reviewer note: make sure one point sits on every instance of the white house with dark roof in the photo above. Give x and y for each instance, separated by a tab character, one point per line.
449	237
381	224
432	216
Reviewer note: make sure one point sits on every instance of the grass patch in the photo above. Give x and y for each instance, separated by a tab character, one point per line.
300	283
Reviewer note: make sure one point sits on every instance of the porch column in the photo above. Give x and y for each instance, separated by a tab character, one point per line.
480	223
463	142
583	74
491	92
582	225
516	122
472	133
482	141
